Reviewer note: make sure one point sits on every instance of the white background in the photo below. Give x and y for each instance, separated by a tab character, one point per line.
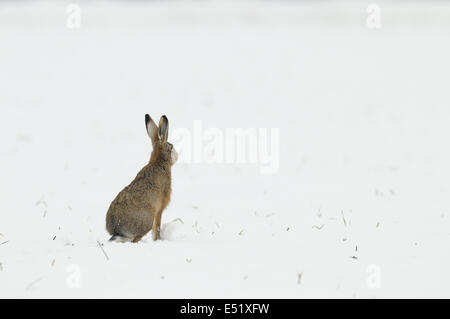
364	125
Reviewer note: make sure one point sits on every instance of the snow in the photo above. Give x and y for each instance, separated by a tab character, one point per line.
359	207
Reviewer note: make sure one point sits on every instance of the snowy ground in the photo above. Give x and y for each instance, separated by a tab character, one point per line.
360	205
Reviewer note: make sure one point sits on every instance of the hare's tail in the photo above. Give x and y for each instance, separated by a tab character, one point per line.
120	239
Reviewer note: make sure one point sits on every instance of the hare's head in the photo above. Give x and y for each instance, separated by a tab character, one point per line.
162	150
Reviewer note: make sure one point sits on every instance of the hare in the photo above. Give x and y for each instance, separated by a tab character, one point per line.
137	209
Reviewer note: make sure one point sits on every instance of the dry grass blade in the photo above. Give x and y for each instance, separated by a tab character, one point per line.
104	252
299	278
31	284
343	218
43	202
178	220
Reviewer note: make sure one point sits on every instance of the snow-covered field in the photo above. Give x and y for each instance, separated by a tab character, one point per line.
360	204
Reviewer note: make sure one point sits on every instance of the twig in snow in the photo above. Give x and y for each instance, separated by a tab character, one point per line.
104	252
44	203
178	220
299	278
317	227
31	284
195	226
319	212
241	233
353	257
4	242
343	218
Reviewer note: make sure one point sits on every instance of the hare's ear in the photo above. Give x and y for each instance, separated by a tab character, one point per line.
152	129
163	129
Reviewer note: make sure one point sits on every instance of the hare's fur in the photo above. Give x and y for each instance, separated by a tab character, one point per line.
137	209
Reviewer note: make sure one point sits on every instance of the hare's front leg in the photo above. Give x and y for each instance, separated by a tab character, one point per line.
156	225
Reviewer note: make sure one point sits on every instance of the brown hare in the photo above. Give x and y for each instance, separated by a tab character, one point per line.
137	209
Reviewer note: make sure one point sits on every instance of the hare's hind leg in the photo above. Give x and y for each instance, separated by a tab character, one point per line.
136	239
156	225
